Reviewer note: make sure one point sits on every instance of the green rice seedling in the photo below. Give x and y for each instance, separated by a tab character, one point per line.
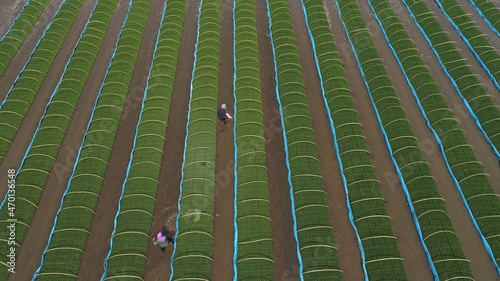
471	90
489	11
437	232
64	252
193	246
254	258
15	37
131	237
382	257
20	97
41	157
317	251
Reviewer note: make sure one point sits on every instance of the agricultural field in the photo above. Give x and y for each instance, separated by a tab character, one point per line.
362	143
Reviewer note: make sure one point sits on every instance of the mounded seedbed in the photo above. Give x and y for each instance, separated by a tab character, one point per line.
277	193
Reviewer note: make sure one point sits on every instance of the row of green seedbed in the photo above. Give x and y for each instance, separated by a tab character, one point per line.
480	104
39	162
130	239
312	226
193	246
12	41
253	245
381	253
75	216
489	12
14	108
435	228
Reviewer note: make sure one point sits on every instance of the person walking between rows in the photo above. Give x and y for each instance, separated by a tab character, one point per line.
222	113
162	240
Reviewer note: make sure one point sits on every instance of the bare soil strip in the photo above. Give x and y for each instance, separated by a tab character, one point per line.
223	243
9	10
474	136
474	250
286	264
22	139
464	51
490	35
97	246
24	53
345	237
167	196
43	219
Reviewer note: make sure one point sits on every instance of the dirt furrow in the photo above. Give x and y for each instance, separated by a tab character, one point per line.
465	52
43	219
481	265
223	243
167	195
345	237
286	264
23	55
97	246
22	139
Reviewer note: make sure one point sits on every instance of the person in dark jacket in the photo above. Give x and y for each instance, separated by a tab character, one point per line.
222	113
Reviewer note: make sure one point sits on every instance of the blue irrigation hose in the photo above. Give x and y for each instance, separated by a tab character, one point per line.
48	104
484	17
299	257
14	21
105	264
185	144
471	112
344	181
438	140
235	254
405	189
31	56
77	158
485	68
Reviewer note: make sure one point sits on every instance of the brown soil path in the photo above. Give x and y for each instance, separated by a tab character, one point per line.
286	264
481	265
24	53
43	220
97	246
464	51
22	139
167	196
9	10
223	243
345	237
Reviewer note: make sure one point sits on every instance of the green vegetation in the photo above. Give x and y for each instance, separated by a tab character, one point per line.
436	228
20	97
466	27
13	40
313	227
255	252
39	162
131	237
489	11
63	255
474	184
477	98
382	258
193	249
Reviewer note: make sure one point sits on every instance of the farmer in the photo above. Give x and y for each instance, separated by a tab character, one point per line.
162	240
222	114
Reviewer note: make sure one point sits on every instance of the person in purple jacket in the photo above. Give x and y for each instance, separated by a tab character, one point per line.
162	240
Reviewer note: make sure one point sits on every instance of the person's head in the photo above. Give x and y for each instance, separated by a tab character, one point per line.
223	106
160	236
